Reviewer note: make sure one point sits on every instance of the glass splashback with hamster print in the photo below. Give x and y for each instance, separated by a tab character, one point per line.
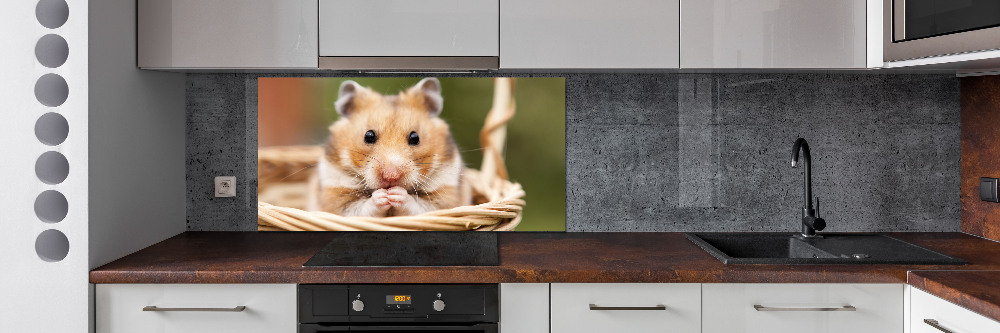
411	153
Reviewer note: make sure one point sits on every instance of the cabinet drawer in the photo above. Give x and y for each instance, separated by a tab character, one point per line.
268	308
407	28
641	307
729	308
948	315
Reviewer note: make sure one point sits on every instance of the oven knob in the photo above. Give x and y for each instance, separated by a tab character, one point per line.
438	305
358	305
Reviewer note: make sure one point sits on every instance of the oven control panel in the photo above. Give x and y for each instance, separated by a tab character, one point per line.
398	303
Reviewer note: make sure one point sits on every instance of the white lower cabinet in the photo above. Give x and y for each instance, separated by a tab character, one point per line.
196	308
626	307
524	308
930	314
802	308
570	307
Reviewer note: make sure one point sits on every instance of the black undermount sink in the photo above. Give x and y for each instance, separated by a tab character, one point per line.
789	248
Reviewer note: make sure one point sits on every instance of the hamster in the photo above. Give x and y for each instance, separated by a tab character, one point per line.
389	155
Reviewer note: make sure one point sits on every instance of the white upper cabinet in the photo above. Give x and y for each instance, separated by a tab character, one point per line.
589	34
406	28
779	33
227	34
509	34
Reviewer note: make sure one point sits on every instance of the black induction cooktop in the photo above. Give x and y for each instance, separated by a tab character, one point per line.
407	248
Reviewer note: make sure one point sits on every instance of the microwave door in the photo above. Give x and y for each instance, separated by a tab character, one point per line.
914	29
916	19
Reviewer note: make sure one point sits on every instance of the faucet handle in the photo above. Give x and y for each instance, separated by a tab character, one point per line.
817	206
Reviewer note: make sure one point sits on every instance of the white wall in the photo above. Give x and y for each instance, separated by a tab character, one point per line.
125	149
137	126
37	295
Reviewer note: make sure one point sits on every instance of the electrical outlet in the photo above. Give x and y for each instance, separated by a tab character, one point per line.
988	189
225	186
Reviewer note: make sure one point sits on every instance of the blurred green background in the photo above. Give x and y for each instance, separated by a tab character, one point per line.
536	139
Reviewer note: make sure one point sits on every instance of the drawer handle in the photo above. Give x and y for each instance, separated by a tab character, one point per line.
935	324
629	308
233	309
759	307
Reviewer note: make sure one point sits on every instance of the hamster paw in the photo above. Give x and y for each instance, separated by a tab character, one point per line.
397	196
381	200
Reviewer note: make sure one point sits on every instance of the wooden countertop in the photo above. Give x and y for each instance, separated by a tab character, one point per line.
978	291
277	257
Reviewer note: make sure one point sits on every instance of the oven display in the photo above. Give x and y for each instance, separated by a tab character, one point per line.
397	299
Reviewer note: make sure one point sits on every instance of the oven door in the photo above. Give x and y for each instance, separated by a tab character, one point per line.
471	328
927	28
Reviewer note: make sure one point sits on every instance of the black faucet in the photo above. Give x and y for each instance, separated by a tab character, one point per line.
810	222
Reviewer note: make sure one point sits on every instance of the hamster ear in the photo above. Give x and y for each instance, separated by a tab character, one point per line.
345	99
430	88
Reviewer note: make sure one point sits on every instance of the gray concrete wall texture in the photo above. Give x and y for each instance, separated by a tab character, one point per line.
683	152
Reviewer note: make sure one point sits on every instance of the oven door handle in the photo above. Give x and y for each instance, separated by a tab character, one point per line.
413	327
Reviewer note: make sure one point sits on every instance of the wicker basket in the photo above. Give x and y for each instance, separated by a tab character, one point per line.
497	203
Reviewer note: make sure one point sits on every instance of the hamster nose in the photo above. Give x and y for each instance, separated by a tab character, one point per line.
391	174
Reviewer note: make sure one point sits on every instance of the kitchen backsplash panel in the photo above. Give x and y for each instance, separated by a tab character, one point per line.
980	153
682	152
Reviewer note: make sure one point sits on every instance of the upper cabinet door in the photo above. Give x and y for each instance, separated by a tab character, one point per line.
406	28
775	33
589	34
227	34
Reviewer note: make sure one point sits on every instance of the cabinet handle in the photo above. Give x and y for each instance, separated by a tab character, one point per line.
233	309
759	307
630	308
935	324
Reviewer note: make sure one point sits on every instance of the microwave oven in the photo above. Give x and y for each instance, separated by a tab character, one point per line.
915	29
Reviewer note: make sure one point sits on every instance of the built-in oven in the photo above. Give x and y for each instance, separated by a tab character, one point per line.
927	28
388	308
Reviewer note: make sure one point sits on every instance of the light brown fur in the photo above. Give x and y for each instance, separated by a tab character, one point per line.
389	177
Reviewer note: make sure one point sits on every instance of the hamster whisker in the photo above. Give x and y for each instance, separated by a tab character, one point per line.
358	180
364	154
449	172
425	156
299	170
423	179
422	182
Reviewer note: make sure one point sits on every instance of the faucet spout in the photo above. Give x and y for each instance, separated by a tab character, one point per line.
810	222
803	146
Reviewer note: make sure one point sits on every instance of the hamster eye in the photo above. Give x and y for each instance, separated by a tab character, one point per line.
414	139
370	137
